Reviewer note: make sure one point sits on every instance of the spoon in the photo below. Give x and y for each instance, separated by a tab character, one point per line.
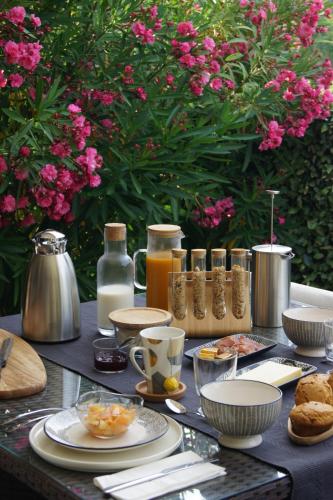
177	407
125	342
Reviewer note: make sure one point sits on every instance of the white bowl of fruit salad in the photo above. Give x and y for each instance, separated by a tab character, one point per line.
106	414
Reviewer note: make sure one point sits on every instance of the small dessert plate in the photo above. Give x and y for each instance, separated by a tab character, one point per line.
308	440
66	429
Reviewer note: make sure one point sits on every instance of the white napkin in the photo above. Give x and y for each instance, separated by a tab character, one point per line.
154	488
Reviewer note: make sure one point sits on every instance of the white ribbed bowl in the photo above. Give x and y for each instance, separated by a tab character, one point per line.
241	410
304	326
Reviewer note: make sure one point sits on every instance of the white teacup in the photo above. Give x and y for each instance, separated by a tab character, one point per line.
162	348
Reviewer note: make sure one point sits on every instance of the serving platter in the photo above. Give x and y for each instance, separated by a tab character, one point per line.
306	368
66	429
266	345
77	460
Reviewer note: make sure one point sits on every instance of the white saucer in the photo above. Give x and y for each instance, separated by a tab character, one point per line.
104	462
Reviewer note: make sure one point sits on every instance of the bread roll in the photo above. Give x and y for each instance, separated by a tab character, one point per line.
310	419
314	388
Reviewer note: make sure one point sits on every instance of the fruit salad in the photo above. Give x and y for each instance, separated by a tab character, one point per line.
107	421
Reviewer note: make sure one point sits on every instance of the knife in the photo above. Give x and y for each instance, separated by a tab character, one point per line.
165	472
5	349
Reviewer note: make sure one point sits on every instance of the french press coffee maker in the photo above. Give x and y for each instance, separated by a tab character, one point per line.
271	270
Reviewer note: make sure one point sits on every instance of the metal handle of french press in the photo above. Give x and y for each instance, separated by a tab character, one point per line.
272	194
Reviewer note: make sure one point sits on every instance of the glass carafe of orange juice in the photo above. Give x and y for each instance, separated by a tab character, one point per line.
162	238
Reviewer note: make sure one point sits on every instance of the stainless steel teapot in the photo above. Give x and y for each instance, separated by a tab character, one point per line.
50	300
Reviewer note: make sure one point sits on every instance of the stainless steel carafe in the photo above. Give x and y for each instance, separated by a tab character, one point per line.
271	270
50	301
270	290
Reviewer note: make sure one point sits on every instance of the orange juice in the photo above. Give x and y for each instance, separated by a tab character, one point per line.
158	265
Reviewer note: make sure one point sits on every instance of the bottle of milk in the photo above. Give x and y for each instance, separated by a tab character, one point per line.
115	277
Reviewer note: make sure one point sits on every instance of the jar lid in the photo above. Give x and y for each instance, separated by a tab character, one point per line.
199	253
238	251
140	317
115	231
178	253
165	230
218	252
273	249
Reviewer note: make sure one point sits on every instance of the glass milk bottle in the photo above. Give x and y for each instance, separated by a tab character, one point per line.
162	238
115	277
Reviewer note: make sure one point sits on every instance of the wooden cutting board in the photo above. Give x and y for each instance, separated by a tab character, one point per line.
24	373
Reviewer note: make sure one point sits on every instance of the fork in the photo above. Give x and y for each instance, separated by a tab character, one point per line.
11	420
25	423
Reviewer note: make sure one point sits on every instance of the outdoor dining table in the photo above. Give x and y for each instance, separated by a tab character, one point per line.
70	372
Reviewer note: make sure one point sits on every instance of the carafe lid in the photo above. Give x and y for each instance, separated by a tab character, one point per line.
49	242
115	231
273	249
165	230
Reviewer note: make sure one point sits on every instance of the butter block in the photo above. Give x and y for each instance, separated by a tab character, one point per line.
272	373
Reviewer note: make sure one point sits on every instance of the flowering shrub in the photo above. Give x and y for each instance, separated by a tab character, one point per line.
130	110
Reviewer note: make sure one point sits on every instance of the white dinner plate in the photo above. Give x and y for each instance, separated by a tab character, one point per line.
104	462
66	429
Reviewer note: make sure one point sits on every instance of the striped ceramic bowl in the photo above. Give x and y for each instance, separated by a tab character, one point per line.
241	410
304	326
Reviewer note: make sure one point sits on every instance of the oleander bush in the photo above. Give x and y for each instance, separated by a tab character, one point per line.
126	110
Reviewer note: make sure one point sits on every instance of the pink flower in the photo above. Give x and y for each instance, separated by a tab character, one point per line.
64	180
216	84
94	180
12	52
188	60
28	220
281	220
48	173
208	44
16	15
73	108
21	174
169	79
25	151
243	3
3	165
107	123
288	95
15	80
273	138
35	21
8	203
214	66
61	149
3	80
23	202
186	28
140	92
184	47
44	196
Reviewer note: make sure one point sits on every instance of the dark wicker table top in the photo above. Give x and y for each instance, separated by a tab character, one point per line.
246	477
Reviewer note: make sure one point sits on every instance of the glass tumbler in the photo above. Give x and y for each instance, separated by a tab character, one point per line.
108	356
212	370
328	333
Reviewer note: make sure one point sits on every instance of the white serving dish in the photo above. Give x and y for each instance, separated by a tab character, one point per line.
241	410
304	326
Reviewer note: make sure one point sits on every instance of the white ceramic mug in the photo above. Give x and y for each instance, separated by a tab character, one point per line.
162	348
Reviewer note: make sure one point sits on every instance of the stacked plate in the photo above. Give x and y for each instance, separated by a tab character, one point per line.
63	441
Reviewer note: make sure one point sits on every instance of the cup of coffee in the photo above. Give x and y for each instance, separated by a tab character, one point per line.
162	348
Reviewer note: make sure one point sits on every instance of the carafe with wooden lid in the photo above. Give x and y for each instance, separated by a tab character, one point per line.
162	238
